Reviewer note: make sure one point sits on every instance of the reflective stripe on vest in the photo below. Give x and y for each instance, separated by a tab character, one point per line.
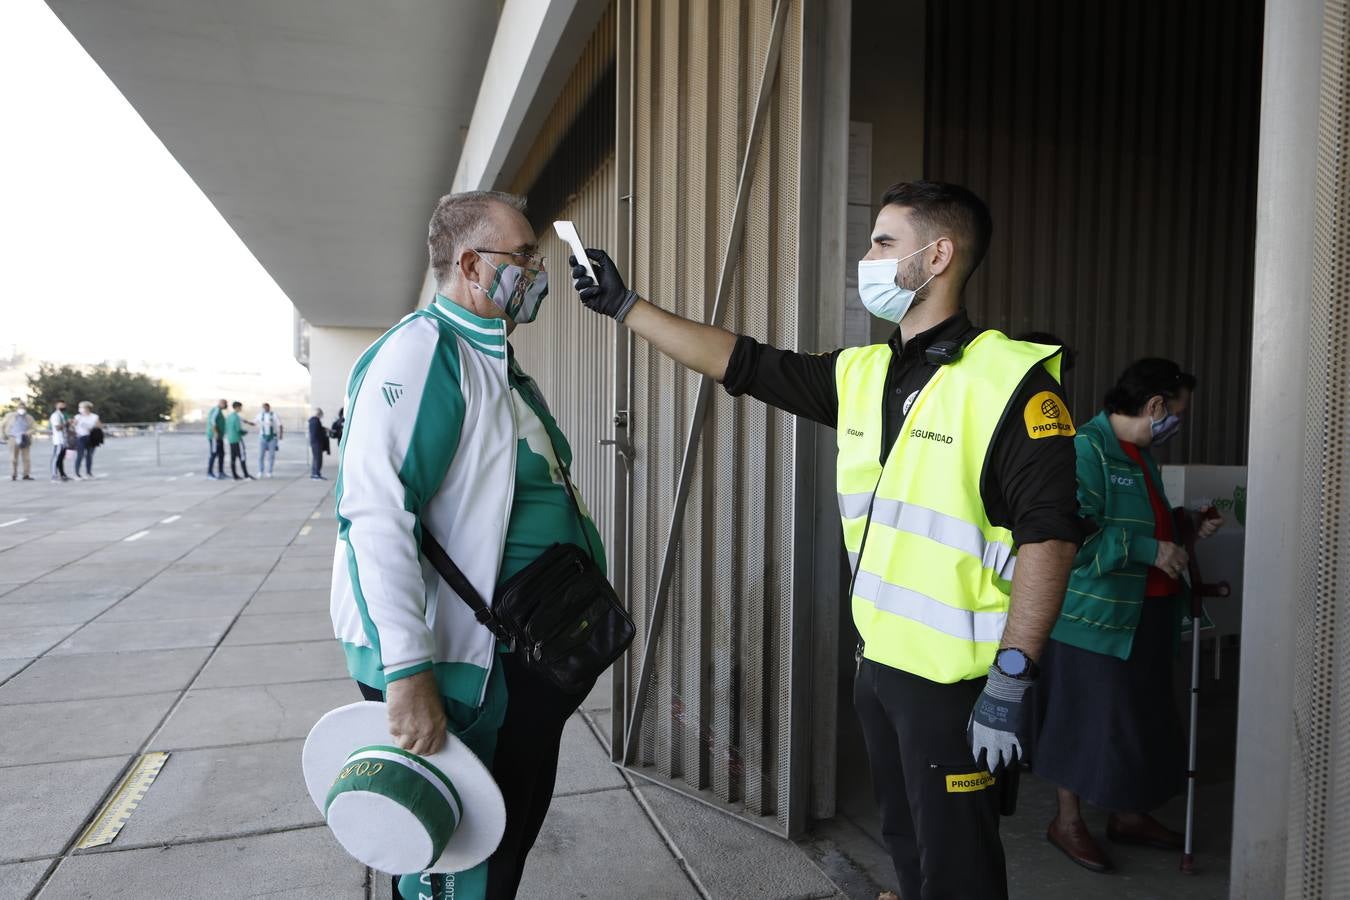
932	573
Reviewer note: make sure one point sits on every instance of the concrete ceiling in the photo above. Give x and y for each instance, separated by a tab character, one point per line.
323	130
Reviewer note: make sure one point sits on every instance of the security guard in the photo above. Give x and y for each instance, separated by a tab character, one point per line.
957	493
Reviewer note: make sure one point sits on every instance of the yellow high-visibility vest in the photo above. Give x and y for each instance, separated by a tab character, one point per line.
932	574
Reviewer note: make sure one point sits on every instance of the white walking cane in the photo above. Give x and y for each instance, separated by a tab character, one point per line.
1185	528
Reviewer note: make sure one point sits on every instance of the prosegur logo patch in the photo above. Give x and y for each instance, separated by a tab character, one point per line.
1047	416
964	784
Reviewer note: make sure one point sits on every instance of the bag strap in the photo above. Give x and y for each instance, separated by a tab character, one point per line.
445	566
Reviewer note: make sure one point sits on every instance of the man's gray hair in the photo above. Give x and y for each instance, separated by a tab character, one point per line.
460	223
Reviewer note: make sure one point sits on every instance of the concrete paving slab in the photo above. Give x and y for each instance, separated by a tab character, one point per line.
33	640
9	666
601	696
245	789
249	715
44	591
273	602
307	864
79	729
157	635
281	628
171	583
128	574
72	611
298	564
50	802
233	666
575	855
143	606
583	764
84	676
290	580
735	860
17	880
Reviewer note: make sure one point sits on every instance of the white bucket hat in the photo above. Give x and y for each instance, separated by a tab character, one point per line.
395	811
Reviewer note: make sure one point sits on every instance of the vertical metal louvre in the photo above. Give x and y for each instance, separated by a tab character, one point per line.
1319	823
1117	152
569	174
716	721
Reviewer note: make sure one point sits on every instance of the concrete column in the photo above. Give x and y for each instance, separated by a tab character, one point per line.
332	352
1282	298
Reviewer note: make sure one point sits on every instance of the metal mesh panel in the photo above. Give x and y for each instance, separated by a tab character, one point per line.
1117	153
569	174
1318	865
716	718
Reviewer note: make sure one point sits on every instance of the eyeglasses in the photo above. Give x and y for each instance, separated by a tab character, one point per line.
535	260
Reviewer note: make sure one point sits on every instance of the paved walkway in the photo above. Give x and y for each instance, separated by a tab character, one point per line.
152	609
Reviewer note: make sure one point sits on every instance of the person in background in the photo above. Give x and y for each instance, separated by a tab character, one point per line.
17	428
1107	727
215	440
234	435
270	431
318	446
86	420
58	422
335	431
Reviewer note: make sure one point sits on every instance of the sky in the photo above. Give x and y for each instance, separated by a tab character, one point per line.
104	237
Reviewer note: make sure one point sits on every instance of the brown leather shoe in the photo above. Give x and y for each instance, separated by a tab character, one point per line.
1075	842
1149	833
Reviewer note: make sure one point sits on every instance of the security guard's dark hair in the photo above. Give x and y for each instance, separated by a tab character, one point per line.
939	210
1143	380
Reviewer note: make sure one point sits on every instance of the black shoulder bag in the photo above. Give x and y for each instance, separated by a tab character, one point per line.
559	614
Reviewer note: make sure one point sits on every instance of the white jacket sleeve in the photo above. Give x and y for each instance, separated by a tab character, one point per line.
404	414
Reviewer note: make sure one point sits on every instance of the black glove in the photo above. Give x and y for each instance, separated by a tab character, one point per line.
996	720
611	296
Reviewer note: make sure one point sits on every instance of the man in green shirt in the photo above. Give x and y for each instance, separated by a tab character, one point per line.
447	435
234	435
215	440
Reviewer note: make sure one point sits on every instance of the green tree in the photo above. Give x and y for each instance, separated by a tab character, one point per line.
117	394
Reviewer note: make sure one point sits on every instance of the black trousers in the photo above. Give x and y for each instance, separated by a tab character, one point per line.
315	459
216	457
236	455
525	766
939	809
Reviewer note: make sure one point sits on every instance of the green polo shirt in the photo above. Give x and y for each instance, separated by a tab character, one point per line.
542	513
234	428
215	423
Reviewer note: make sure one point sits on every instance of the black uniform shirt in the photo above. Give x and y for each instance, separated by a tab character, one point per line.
1028	484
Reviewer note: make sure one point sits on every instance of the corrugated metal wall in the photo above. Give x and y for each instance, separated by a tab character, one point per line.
1115	144
569	174
717	720
1319	790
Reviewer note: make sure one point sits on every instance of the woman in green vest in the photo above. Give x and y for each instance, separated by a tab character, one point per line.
1108	730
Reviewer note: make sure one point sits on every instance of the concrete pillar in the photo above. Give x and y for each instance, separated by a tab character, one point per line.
332	352
1282	299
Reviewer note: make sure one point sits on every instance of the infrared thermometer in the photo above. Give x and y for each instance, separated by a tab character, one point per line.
568	232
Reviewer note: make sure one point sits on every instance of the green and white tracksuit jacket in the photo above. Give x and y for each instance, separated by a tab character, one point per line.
444	432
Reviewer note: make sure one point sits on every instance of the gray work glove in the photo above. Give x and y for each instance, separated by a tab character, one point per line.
611	296
994	723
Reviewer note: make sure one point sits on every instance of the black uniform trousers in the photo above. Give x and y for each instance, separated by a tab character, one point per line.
236	456
524	765
939	809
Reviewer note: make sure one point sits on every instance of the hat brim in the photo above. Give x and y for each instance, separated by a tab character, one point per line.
343	730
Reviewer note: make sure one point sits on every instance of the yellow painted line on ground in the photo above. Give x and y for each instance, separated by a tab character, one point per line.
114	814
315	515
304	531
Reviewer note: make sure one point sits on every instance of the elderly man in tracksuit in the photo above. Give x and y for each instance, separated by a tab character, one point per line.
446	433
957	496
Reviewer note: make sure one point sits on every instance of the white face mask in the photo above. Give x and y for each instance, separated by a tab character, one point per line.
878	288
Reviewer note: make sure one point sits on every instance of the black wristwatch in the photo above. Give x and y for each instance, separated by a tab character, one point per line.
1016	664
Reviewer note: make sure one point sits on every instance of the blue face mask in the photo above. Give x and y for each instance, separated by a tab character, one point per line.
1164	429
878	288
513	293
